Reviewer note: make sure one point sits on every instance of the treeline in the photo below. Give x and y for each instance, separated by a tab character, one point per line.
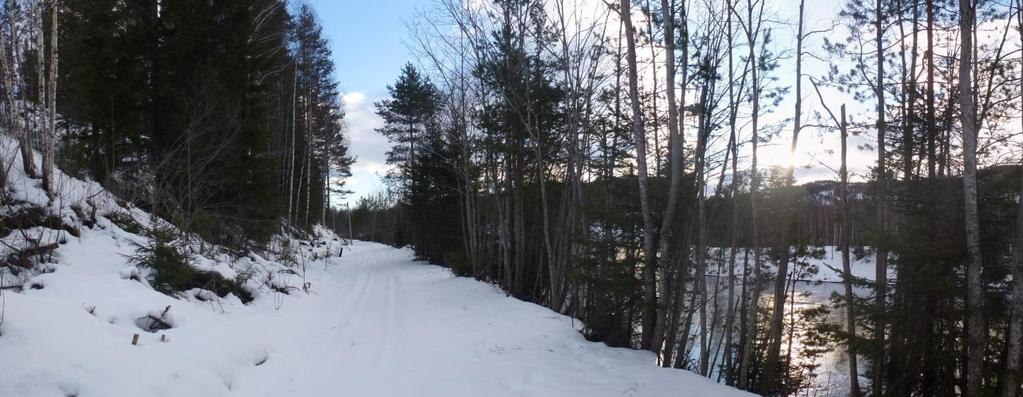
223	117
600	158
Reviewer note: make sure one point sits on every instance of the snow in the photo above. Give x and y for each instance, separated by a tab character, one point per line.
828	265
371	323
375	323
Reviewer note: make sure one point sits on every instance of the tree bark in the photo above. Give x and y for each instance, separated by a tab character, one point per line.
881	259
770	382
701	231
974	292
909	97
42	114
752	309
1014	341
10	118
650	265
291	148
932	156
51	106
21	132
675	159
734	190
850	312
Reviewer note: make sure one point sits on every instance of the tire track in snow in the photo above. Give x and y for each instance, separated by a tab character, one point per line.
312	361
368	323
410	329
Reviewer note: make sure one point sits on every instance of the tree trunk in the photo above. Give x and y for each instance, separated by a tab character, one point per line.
850	313
974	293
752	309
701	227
650	265
51	124
733	226
21	132
1014	350
675	159
308	167
932	156
770	382
291	148
881	260
42	114
654	120
1014	340
909	98
10	118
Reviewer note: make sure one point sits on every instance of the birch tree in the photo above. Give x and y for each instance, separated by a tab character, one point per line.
968	122
649	258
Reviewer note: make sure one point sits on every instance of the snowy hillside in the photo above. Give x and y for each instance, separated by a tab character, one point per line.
371	323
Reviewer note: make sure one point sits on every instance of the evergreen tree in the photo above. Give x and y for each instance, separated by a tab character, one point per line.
188	108
424	160
409	118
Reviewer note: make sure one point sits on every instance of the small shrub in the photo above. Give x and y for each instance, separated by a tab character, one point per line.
172	269
458	263
161	254
28	217
125	222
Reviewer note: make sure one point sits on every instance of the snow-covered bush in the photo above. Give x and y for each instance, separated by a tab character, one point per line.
171	270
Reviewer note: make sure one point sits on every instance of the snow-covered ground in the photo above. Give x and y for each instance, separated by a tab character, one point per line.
375	323
371	323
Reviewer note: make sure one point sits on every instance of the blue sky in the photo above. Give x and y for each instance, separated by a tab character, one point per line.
369	38
368	42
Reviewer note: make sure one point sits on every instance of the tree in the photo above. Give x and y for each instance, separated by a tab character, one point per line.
1014	339
425	162
770	380
674	158
639	137
15	86
844	245
408	116
975	290
47	111
752	30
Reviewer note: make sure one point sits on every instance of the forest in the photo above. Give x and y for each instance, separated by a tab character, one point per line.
223	118
638	165
601	159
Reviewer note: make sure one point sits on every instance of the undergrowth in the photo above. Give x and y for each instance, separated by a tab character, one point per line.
171	267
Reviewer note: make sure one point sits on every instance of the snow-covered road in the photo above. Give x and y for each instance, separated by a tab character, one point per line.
374	323
391	327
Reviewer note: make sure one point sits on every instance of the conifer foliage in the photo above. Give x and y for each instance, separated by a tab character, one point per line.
423	155
223	117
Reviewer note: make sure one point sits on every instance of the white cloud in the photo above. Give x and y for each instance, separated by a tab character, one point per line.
368	146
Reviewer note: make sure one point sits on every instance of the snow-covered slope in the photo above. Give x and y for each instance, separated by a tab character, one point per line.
372	323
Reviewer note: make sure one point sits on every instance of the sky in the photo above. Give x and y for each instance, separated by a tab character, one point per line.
369	43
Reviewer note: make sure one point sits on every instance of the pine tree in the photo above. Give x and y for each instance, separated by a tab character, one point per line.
408	118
